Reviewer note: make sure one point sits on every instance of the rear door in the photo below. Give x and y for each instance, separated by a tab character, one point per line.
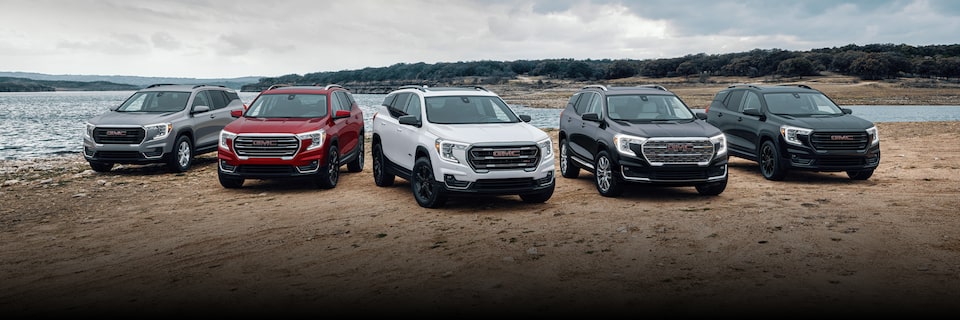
582	133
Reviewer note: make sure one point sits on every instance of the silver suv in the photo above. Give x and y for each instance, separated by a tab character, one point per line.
160	124
459	141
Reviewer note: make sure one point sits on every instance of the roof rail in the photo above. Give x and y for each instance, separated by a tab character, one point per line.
332	85
208	85
413	86
798	85
598	86
160	84
279	85
480	88
743	85
654	86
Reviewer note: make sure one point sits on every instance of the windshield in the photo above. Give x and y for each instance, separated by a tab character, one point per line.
155	101
468	109
288	106
796	104
638	107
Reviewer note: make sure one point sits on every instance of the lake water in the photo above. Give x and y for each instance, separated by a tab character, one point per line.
46	124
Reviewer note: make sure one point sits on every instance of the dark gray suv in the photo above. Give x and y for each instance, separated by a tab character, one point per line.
794	127
160	124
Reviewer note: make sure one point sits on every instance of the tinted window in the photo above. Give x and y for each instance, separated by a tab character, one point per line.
584	103
733	100
750	101
202	99
218	99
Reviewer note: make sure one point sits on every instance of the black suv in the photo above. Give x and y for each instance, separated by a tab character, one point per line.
794	127
643	134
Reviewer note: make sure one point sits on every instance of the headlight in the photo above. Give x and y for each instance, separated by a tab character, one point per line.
449	150
873	135
546	147
623	143
792	134
315	138
225	138
720	144
157	131
90	128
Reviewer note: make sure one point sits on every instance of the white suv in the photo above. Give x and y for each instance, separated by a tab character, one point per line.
459	141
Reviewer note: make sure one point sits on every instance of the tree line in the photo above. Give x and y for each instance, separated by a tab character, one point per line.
868	62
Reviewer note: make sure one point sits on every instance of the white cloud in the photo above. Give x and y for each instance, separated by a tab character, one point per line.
220	38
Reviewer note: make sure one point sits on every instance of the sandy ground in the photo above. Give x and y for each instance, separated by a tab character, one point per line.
140	241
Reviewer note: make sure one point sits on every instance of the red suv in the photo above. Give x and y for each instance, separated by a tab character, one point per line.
293	132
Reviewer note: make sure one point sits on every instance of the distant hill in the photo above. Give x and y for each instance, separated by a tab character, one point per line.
11	84
139	82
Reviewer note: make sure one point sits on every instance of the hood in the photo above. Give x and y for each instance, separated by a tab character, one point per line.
274	125
490	132
843	122
113	118
695	128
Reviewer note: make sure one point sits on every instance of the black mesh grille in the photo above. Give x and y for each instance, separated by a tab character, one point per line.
118	135
839	140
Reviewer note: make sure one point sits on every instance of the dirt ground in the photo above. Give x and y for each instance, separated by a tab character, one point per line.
141	241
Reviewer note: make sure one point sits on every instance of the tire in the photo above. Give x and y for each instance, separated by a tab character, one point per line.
228	181
712	189
328	176
606	178
427	191
769	159
101	166
381	177
539	196
860	174
357	164
182	156
567	168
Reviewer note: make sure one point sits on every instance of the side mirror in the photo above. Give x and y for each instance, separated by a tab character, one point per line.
752	112
846	111
199	109
590	117
409	120
701	115
525	117
341	114
236	113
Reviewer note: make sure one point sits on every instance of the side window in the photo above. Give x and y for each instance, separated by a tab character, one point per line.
596	104
750	101
346	103
413	106
218	99
397	108
573	100
733	100
584	103
201	99
335	103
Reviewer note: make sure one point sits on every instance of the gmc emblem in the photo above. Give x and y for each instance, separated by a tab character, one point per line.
116	133
839	137
264	143
506	153
679	147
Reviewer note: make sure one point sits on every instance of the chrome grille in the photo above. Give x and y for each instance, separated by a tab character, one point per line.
839	140
266	146
504	157
678	151
118	135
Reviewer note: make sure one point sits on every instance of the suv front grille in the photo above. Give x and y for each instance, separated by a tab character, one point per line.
839	140
266	146
678	151
504	157
118	135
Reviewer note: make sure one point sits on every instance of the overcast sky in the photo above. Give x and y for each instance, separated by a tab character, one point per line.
226	39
